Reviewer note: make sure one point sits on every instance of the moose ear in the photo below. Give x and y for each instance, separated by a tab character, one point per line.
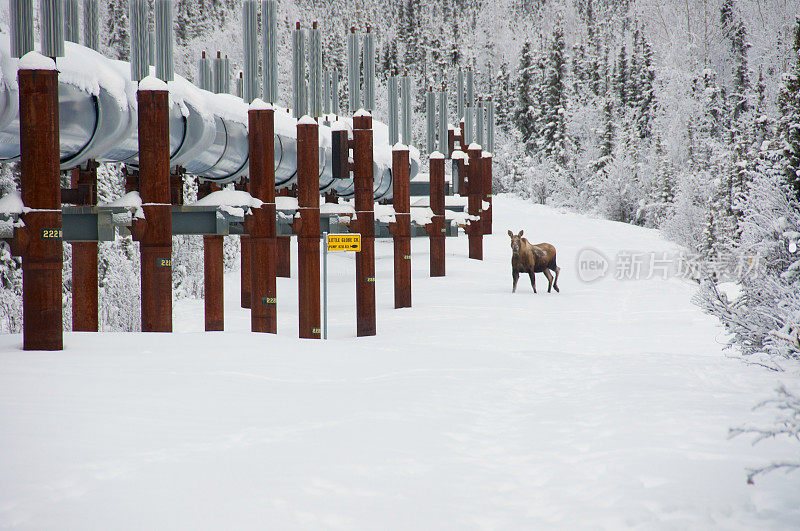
510	234
520	234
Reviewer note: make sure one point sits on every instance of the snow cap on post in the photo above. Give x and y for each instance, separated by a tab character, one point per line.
152	83
260	105
36	61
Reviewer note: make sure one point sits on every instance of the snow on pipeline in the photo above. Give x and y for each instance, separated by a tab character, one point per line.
605	406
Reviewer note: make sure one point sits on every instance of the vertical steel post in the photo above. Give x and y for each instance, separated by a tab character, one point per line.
394	129
154	183
486	214
490	126
479	124
315	71
72	30
430	121
250	45
51	27
269	12
308	236
41	191
335	108
245	274
436	229
262	222
139	36
401	228
299	93
365	213
406	101
21	27
353	72
475	187
326	92
459	96
84	258
444	145
368	54
165	64
213	272
91	24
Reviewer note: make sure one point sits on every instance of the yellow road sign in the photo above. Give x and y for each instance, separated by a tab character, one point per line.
344	242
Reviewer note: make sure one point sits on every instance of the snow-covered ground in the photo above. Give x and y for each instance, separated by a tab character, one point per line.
605	406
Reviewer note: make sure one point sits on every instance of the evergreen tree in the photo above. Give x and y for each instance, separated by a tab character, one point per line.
553	137
115	38
789	125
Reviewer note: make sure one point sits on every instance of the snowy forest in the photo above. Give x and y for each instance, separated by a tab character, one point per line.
678	115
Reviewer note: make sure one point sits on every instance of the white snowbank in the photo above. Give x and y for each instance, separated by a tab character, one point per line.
131	199
286	203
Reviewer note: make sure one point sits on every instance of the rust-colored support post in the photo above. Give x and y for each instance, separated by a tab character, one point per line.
366	324
475	188
84	258
436	229
154	183
401	228
284	249
245	259
41	191
261	225
486	215
213	272
308	235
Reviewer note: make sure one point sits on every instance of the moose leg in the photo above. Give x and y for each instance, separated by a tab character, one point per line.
549	276
533	280
555	283
515	276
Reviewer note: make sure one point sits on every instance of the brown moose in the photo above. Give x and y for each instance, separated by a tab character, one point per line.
529	258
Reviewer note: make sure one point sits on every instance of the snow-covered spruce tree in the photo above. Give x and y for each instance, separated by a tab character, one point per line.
526	113
789	102
10	266
115	40
553	142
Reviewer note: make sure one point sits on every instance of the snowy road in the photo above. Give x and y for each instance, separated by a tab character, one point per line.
606	406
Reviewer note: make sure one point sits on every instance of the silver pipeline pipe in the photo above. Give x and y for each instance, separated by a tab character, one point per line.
165	69
220	75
